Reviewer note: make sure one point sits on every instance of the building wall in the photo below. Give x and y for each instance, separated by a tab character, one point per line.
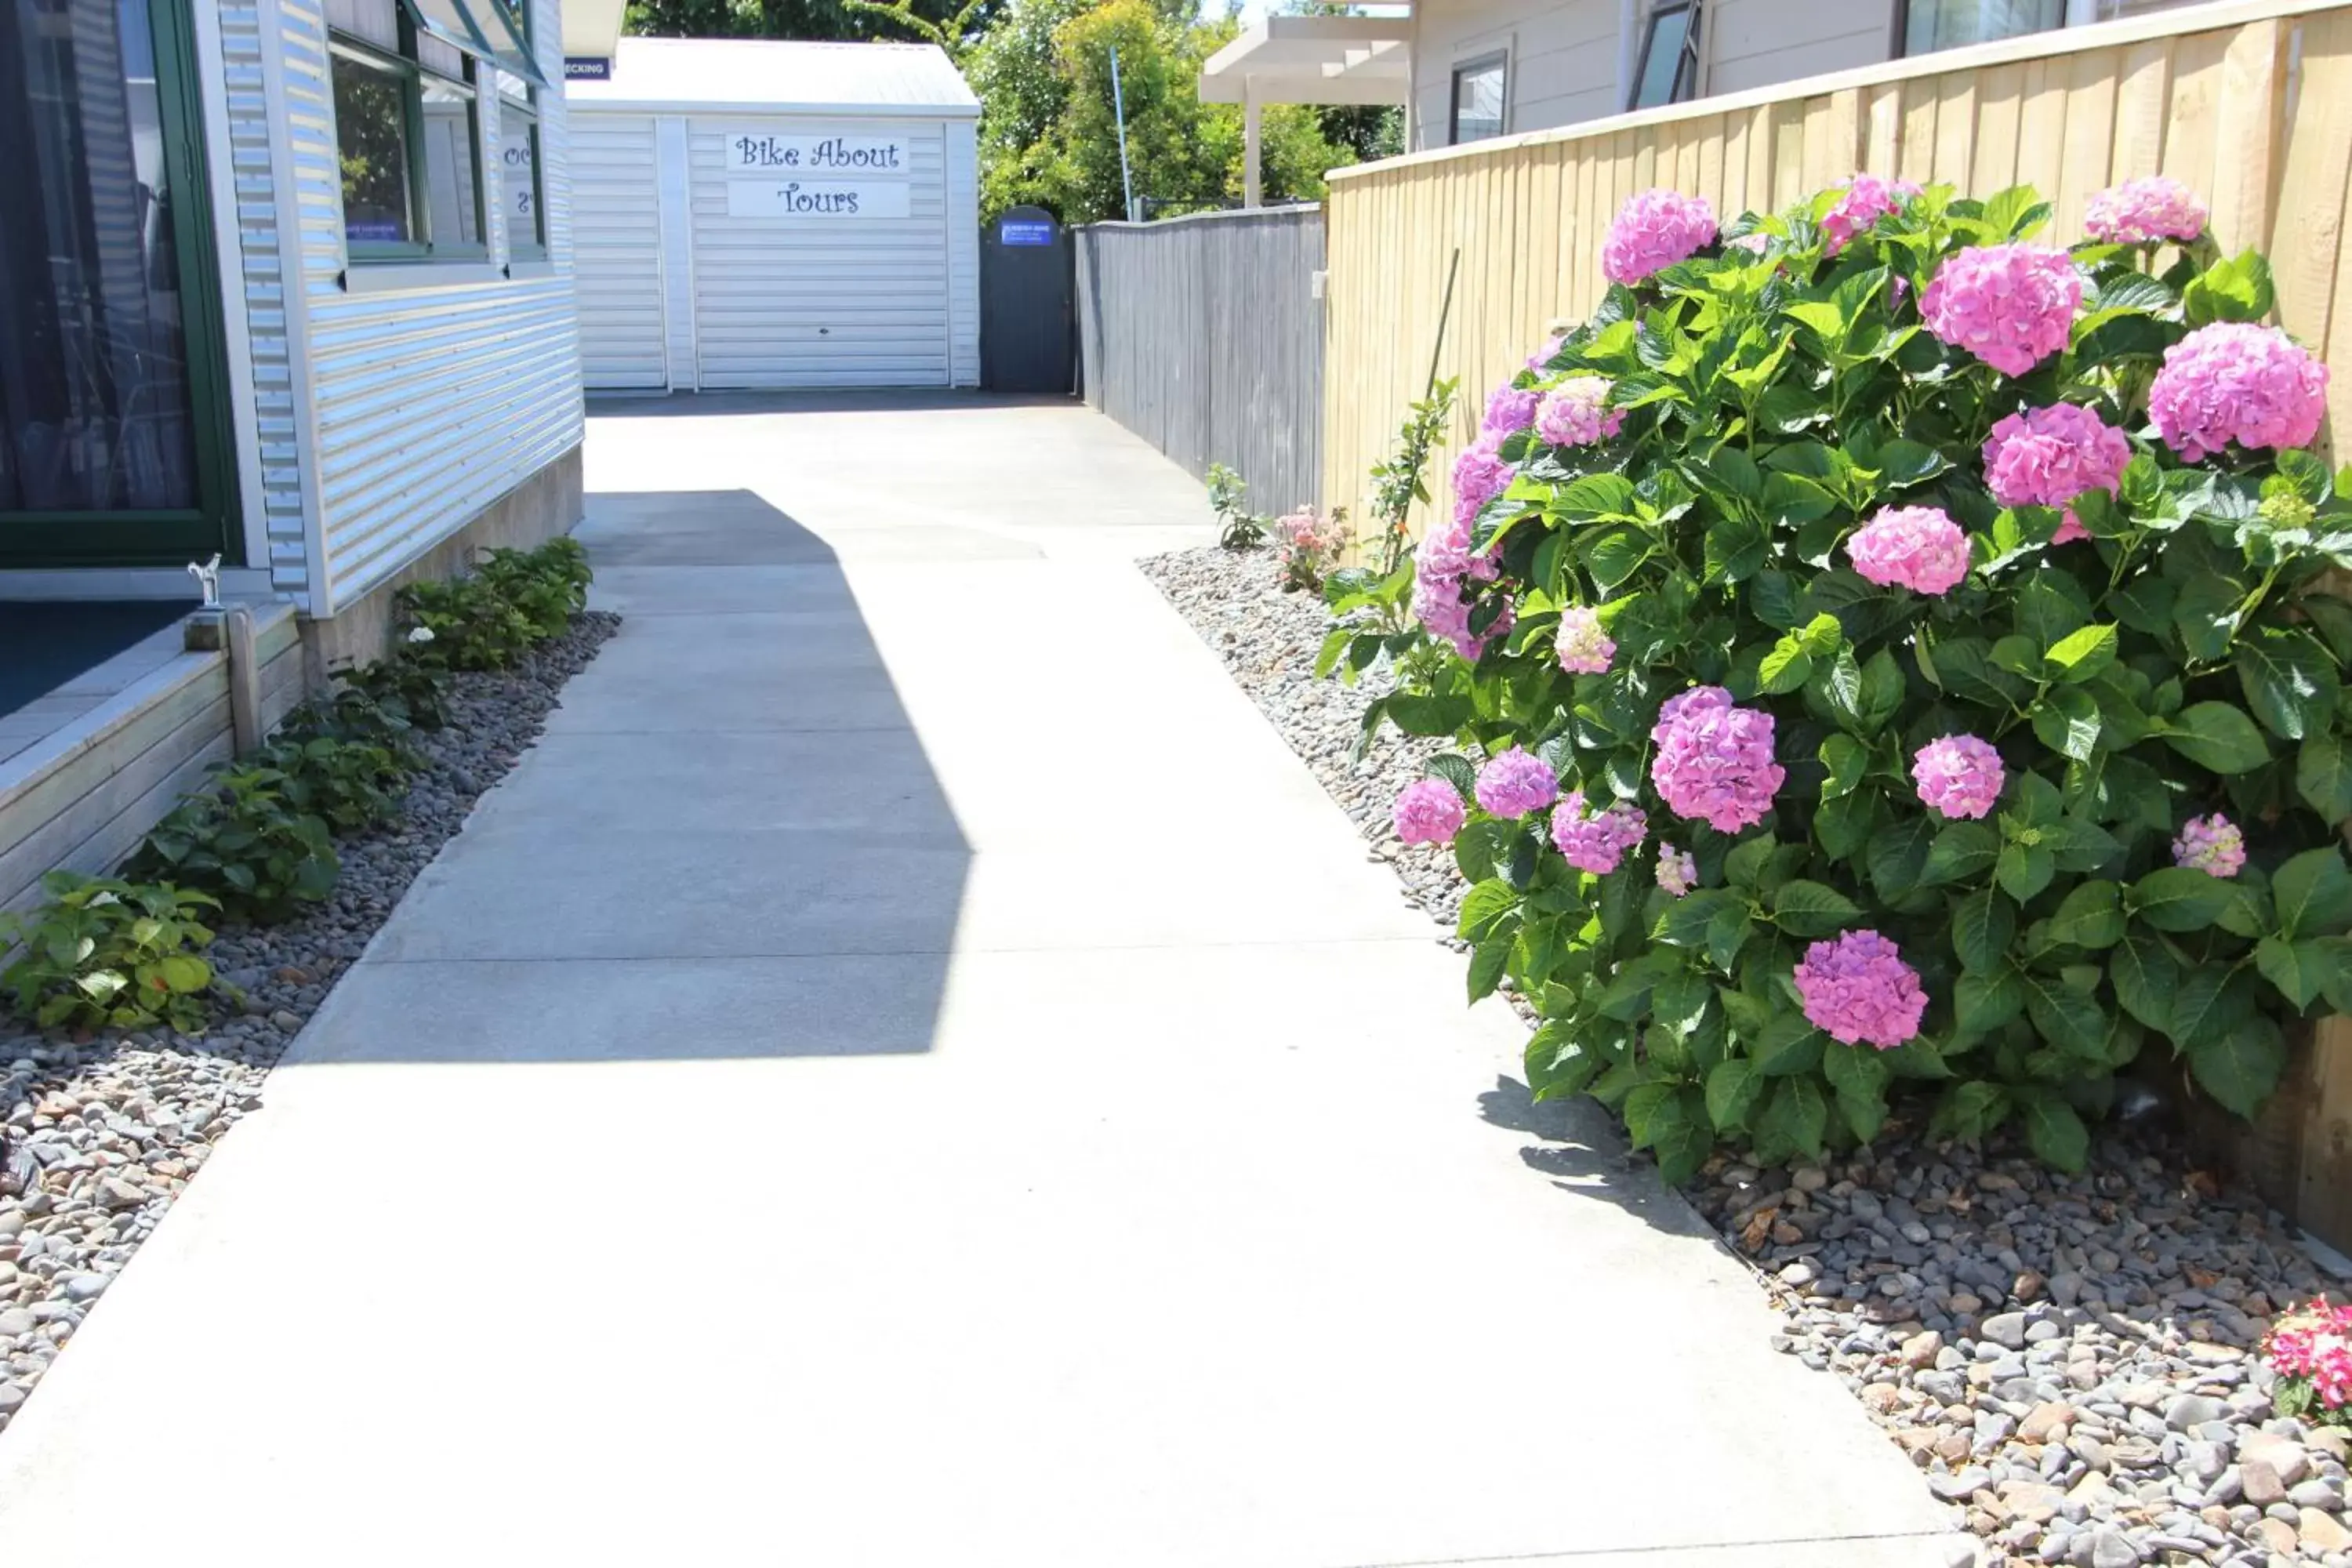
1563	60
1755	43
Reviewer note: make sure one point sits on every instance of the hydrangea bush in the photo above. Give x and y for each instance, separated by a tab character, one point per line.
1884	646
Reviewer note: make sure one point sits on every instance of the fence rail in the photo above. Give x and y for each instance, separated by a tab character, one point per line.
1204	336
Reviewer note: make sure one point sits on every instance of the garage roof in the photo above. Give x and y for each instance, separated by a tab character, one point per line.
762	76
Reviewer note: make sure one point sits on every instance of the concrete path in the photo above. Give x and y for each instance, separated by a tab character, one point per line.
912	1073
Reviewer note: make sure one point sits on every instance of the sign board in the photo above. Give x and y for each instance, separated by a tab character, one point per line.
817	198
1024	231
587	68
841	152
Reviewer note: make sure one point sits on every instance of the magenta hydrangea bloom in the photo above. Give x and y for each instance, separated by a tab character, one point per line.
1509	409
2144	212
1914	547
1655	229
1959	775
2013	306
2234	381
1597	843
1584	649
1678	871
1859	989
2047	457
2212	845
1542	356
1714	759
1516	782
1866	200
1429	812
1576	413
1479	476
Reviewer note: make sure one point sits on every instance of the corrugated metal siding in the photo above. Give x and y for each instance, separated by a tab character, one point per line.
963	250
430	404
261	277
841	302
617	251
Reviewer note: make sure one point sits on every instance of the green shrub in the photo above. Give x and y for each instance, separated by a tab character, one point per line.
351	784
1238	528
105	951
247	843
2182	660
407	690
548	585
471	624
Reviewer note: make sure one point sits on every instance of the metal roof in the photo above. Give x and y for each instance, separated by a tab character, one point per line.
764	76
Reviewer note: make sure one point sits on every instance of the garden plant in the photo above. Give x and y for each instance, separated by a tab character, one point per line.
1883	648
107	951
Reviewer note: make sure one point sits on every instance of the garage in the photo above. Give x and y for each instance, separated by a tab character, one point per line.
754	215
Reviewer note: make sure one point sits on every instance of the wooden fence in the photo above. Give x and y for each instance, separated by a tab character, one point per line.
1204	336
2250	104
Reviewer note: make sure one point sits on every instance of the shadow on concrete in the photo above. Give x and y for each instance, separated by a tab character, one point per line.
841	400
1578	1146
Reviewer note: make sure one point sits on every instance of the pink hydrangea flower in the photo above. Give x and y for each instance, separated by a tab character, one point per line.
1516	782
1583	647
1916	547
1442	564
2234	381
1678	871
1429	812
1859	989
1866	200
1655	229
2212	845
2143	212
1959	775
1543	355
1714	759
1479	476
1443	551
1509	409
1597	843
1755	243
2047	457
1576	413
2312	1345
2013	306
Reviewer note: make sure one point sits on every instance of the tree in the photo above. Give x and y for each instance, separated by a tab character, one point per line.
952	24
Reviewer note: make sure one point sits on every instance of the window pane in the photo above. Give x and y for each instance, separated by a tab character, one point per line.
1950	24
1669	33
512	86
453	216
377	21
94	404
372	135
1478	101
519	176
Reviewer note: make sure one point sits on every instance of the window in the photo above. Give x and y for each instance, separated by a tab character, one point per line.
1931	25
518	186
407	122
1668	68
1478	100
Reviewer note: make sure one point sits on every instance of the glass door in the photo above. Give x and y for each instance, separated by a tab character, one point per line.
114	434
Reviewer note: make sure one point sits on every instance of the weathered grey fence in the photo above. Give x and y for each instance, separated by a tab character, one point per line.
1204	336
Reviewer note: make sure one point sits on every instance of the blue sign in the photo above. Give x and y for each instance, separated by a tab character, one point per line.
587	68
1024	231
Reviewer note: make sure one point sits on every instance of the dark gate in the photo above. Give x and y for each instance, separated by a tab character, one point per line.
1028	322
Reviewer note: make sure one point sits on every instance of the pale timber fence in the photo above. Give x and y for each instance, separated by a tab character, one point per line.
2250	103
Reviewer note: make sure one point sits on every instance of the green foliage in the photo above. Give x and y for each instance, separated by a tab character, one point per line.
950	23
514	599
351	784
404	691
245	842
1237	527
547	586
1397	479
103	952
2185	658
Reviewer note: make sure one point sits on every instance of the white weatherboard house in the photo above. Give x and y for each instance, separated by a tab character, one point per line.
776	214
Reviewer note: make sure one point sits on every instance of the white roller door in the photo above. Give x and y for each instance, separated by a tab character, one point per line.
815	277
617	250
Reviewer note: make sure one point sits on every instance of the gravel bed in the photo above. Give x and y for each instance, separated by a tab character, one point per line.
2070	1361
98	1136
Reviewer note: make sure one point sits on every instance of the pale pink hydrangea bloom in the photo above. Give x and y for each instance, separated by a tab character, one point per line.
2212	845
1866	200
1509	409
1678	871
1443	563
1859	989
1514	783
1916	547
2234	381
1714	759
1584	649
1755	243
2143	212
2047	457
1959	775
2013	306
1576	413
1479	476
1543	355
2314	1344
1655	229
1429	812
1597	843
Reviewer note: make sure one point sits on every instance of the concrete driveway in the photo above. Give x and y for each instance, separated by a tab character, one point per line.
912	1071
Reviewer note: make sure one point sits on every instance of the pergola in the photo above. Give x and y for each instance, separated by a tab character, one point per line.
1307	60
